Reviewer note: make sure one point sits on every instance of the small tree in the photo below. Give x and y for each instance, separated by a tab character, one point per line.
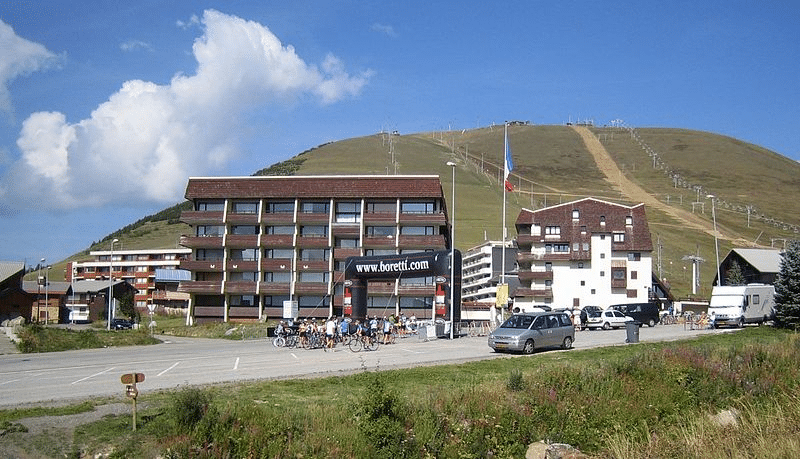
787	288
126	306
734	274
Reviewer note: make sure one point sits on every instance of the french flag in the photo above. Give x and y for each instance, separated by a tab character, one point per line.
509	164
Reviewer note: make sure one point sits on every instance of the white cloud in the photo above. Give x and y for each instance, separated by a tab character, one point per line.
145	141
19	57
384	29
133	45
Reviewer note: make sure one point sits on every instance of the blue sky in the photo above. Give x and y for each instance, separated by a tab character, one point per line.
106	107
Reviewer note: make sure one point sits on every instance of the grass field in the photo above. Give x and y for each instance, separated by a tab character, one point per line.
720	396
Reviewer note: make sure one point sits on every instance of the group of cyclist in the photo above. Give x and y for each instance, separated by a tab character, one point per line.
336	329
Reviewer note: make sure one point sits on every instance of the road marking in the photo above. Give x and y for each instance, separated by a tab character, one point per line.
170	368
92	376
295	357
236	365
9	382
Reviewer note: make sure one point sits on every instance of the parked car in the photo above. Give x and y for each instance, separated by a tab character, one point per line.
121	324
608	319
645	313
589	311
533	330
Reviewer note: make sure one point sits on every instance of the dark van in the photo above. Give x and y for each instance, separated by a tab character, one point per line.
645	313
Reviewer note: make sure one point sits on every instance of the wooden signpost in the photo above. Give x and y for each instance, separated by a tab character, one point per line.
130	380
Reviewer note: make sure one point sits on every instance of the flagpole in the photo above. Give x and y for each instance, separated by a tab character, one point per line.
505	174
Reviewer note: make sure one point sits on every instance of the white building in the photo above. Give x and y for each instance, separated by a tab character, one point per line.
481	273
137	267
585	252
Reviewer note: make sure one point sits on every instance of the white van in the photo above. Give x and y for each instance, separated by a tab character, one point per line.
741	304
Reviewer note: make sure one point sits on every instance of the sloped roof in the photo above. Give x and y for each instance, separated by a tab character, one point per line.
53	287
10	268
93	286
764	260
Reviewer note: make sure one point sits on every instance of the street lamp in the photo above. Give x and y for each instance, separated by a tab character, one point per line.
452	248
111	282
39	291
46	288
716	241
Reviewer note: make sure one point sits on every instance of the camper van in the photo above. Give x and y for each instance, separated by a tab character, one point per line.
741	304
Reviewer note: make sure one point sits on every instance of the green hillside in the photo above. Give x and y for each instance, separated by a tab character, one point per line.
552	165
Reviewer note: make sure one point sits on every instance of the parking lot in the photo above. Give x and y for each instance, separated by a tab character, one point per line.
178	362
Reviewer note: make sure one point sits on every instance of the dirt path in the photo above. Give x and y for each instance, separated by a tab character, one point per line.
634	192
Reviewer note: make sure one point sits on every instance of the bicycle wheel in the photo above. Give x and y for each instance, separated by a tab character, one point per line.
371	344
355	344
279	341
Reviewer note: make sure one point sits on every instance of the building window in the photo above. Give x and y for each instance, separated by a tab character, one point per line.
634	275
423	207
417	280
618	274
619	237
243	254
314	230
629	220
279	229
278	277
243	300
141	280
602	274
602	256
315	207
580	265
548	266
585	246
245	230
210	230
279	253
583	229
552	230
209	255
380	231
275	301
248	276
602	220
244	207
593	291
310	301
576	246
210	206
408	302
583	283
576	214
348	212
315	254
313	277
560	248
286	207
346	243
417	230
634	256
382	207
379	252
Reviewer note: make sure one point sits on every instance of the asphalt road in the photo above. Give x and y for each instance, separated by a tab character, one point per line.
71	375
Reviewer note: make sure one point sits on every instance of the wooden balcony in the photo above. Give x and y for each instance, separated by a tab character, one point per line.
276	264
545	292
243	312
535	275
277	219
241	287
273	288
202	265
312	242
313	265
202	287
241	241
341	253
426	219
422	242
311	288
346	229
380	218
277	240
242	265
242	219
201	242
379	241
194	217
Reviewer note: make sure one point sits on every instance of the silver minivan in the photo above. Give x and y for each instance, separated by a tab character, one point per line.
533	330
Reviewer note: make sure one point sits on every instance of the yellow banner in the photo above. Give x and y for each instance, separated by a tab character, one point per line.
502	295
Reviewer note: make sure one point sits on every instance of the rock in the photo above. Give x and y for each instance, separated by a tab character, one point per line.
541	450
726	418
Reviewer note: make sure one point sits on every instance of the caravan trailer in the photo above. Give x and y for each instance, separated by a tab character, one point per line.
741	304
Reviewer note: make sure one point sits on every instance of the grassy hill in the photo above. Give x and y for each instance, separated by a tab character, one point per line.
552	165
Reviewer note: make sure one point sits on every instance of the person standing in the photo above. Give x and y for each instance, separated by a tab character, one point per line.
330	331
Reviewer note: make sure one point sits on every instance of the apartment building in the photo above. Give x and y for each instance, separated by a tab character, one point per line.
137	267
584	252
260	242
482	271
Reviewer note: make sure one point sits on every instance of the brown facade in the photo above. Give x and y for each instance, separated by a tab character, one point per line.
260	241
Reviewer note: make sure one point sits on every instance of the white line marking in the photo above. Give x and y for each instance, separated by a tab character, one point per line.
170	368
295	357
9	382
236	365
92	376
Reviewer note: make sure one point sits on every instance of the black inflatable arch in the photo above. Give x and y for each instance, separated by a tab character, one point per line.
360	270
